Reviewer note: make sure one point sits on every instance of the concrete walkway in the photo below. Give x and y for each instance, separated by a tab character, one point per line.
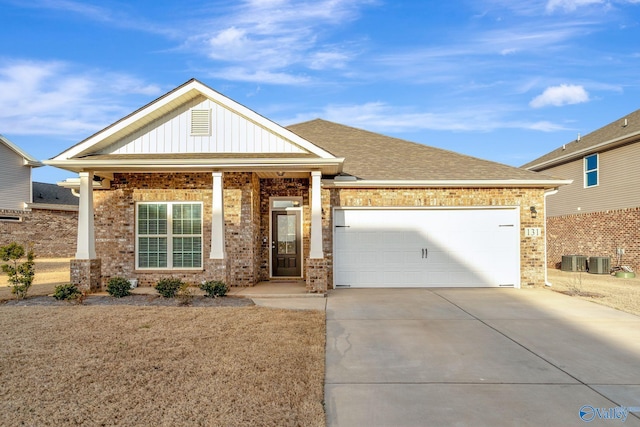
478	357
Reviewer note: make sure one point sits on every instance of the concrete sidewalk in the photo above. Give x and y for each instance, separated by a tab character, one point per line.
478	357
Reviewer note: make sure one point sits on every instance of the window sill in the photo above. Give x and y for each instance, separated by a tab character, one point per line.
168	270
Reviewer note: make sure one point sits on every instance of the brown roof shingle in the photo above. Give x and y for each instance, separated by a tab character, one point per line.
615	131
373	156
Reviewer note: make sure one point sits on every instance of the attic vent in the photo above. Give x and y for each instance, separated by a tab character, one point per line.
201	122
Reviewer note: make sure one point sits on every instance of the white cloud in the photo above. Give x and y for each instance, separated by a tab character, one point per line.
572	5
560	95
381	117
271	37
51	98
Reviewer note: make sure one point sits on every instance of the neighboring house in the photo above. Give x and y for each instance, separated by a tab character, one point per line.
197	186
599	213
41	216
15	176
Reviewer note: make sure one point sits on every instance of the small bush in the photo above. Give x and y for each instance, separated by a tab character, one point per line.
185	294
168	288
67	292
20	273
214	288
119	287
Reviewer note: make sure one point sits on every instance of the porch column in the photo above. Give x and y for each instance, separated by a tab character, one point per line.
86	243
217	218
316	216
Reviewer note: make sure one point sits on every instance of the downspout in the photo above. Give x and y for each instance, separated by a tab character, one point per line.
546	241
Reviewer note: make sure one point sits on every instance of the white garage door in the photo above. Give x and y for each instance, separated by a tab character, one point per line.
426	247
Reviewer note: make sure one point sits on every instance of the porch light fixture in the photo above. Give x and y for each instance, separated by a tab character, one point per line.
534	212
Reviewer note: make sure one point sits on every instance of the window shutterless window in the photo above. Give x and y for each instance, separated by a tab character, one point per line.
169	235
591	170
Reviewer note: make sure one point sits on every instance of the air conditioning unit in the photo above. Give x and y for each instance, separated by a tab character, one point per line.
574	263
599	265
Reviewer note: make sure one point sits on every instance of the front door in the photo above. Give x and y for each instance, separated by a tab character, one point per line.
286	257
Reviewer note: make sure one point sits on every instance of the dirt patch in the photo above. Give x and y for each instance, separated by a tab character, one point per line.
162	366
619	293
50	272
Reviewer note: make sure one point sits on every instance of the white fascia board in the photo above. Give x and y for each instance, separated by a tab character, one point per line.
206	91
328	166
612	143
28	160
475	183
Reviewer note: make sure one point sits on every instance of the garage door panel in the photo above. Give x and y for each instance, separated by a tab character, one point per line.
464	247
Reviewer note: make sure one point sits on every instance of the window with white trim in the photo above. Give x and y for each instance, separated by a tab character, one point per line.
591	178
169	235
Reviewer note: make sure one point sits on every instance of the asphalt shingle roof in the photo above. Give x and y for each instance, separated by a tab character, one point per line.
53	194
611	132
374	156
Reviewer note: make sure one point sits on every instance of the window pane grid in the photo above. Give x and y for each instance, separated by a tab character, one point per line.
160	246
591	171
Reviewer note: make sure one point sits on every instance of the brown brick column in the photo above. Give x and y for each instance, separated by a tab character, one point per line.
317	270
86	274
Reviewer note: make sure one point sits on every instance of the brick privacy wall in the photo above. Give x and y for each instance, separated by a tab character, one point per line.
52	233
595	234
532	261
282	187
115	224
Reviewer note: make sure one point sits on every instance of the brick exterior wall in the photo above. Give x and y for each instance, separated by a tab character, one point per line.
247	222
595	234
51	233
531	248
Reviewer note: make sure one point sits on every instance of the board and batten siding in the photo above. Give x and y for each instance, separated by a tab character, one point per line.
230	133
618	188
15	180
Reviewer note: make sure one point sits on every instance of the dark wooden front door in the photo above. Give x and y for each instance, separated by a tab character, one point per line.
286	245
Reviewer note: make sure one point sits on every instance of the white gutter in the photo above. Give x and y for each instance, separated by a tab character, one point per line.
584	151
450	183
328	166
546	266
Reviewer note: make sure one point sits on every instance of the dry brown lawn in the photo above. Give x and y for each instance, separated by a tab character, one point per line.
622	294
161	366
50	272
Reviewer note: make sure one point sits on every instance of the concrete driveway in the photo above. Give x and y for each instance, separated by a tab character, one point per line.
479	357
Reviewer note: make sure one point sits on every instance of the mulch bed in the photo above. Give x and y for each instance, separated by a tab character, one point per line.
136	300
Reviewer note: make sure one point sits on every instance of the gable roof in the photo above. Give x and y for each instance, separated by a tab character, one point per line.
28	160
620	132
374	157
118	147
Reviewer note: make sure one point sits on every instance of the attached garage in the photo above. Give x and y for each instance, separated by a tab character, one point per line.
448	247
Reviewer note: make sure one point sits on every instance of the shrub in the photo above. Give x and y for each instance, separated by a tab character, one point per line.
119	287
185	294
214	288
20	273
67	292
168	288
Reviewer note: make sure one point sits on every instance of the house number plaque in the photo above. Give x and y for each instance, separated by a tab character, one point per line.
532	232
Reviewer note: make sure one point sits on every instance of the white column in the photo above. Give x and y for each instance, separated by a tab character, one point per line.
316	216
217	219
86	244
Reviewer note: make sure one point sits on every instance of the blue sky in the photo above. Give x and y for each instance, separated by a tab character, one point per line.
502	80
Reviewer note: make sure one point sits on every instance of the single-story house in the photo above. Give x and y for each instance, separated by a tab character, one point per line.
195	185
598	215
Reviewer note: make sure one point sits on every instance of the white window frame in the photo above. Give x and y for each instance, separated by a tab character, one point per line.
169	236
588	171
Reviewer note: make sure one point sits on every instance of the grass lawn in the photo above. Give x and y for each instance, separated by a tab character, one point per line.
161	366
622	294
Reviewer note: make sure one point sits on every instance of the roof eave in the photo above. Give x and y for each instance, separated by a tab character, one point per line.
331	166
609	144
453	183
